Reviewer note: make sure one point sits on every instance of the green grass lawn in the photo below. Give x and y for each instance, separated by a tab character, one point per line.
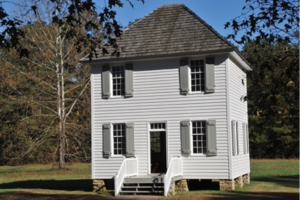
46	181
274	175
270	179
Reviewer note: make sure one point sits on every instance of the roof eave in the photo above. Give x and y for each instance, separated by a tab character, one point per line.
239	58
157	57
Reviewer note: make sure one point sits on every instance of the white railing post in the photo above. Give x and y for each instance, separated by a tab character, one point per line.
174	169
128	168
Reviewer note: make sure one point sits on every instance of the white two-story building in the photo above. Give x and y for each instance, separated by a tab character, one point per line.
170	107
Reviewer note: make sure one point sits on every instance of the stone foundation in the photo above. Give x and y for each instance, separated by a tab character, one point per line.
239	182
182	186
173	189
232	184
226	184
99	185
246	179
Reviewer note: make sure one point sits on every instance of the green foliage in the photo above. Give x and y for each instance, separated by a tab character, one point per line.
273	94
272	21
74	14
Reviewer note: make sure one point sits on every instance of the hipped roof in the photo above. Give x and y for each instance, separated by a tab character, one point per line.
169	30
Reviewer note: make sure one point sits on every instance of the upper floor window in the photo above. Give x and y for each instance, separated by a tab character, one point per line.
197	75
118	80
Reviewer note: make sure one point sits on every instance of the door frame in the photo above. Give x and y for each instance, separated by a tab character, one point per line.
149	130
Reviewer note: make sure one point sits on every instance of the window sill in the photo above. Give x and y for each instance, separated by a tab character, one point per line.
195	93
118	156
116	97
198	155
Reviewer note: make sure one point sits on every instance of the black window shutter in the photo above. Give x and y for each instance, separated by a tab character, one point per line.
211	138
185	138
210	75
105	82
128	80
184	77
129	140
106	140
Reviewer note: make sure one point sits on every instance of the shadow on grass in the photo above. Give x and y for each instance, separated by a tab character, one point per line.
286	181
35	196
69	185
237	195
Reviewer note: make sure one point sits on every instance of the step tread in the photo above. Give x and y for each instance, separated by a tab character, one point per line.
148	192
143	181
142	186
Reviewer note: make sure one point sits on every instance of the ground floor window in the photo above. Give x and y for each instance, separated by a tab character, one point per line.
199	137
119	139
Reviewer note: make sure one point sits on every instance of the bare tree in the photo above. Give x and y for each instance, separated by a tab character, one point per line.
53	68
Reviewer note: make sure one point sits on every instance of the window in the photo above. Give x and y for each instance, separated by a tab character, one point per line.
199	136
197	75
233	136
237	138
118	80
246	138
119	139
158	126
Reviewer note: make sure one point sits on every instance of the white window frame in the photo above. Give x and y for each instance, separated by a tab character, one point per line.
190	75
111	80
191	137
112	141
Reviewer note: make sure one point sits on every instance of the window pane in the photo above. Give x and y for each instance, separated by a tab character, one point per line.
158	126
197	75
119	139
199	136
118	80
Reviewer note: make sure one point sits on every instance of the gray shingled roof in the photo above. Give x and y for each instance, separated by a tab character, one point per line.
169	30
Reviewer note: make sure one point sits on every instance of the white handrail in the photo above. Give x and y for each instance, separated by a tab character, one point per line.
128	168
174	169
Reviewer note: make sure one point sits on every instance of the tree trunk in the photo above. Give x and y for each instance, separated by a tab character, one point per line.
62	145
60	102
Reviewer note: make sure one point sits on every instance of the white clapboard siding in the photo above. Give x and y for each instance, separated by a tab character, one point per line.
157	98
239	113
